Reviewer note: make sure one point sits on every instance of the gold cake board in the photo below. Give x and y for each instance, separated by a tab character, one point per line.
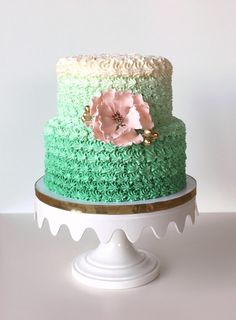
133	207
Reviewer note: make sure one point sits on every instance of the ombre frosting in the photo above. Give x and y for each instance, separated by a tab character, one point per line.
79	164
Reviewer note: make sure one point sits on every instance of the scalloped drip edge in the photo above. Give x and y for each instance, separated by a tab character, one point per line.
159	229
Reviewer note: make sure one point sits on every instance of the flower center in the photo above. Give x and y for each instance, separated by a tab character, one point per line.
117	117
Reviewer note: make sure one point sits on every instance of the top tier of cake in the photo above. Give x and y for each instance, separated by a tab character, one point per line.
83	77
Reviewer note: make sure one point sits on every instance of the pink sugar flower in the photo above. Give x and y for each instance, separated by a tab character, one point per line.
117	115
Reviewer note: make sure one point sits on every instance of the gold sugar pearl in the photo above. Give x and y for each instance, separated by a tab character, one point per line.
147	133
155	135
147	142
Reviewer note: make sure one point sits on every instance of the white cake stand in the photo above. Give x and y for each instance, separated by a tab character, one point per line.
115	263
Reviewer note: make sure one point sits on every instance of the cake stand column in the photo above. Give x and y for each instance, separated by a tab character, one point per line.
116	265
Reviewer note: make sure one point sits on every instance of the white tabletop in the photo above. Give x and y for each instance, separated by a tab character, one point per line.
197	280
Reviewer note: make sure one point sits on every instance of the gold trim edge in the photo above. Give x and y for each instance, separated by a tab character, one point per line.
115	209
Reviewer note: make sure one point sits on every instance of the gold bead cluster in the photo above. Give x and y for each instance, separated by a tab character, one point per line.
86	117
150	136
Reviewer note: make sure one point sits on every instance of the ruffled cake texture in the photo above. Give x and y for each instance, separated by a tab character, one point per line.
80	167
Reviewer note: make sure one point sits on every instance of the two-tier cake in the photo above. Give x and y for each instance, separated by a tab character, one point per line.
114	138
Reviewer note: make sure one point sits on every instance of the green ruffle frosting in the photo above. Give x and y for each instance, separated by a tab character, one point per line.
79	167
75	92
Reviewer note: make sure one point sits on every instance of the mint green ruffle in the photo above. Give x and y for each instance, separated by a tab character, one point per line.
75	92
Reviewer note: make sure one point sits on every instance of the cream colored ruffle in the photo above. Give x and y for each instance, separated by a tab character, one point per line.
115	65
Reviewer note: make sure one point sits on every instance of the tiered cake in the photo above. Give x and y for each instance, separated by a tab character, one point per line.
114	138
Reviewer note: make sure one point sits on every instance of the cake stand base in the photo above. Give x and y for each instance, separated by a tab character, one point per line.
116	265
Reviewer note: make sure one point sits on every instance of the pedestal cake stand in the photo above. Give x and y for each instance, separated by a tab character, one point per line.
115	263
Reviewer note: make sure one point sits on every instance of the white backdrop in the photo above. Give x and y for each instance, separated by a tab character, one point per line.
197	36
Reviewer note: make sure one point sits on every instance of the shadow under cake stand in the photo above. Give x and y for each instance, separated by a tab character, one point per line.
115	263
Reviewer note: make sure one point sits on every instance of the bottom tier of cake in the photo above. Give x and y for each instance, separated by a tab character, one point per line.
79	167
